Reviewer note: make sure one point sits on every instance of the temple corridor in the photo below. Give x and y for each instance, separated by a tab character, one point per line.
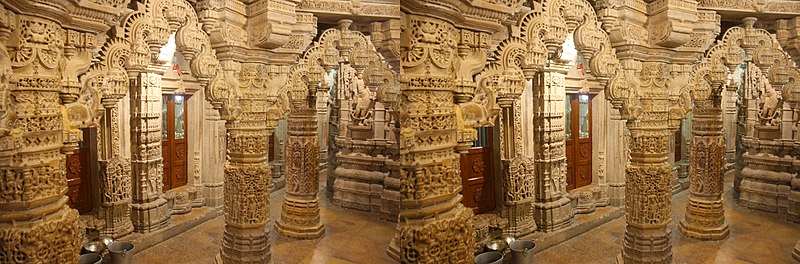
387	131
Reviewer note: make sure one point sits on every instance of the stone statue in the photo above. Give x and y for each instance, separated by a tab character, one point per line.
361	103
769	99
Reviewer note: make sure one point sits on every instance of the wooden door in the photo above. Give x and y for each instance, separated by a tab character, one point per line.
477	177
173	140
79	179
578	127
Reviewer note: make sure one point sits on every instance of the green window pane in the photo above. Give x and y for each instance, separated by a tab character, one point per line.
164	134
568	115
583	101
180	117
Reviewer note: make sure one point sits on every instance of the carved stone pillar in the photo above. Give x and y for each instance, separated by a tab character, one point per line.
36	224
323	96
617	156
518	176
213	161
300	210
705	215
649	175
648	196
149	210
278	163
551	208
434	227
247	174
114	176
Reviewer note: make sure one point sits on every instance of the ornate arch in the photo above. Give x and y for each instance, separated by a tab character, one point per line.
337	45
738	44
134	44
541	35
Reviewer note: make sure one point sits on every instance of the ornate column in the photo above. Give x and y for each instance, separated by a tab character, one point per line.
214	137
300	210
705	215
551	208
149	210
433	227
247	174
114	176
278	163
33	208
652	118
618	136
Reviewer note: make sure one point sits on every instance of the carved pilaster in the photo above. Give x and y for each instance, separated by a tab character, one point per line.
551	208
434	227
705	216
114	176
149	210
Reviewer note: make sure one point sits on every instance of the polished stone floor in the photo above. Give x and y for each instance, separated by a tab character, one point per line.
357	237
351	236
755	237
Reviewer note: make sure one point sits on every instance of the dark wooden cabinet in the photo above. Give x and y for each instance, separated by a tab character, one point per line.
477	175
173	140
578	127
79	179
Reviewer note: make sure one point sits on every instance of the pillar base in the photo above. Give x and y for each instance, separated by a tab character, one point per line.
520	219
393	251
704	220
647	245
117	220
448	237
300	219
555	215
249	246
796	251
59	232
149	217
703	232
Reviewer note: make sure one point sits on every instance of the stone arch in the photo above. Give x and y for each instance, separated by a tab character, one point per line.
736	45
518	59
131	46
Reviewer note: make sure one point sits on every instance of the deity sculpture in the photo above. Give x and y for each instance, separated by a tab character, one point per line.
361	104
769	99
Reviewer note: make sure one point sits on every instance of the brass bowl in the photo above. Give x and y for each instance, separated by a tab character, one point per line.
108	240
94	247
508	239
497	245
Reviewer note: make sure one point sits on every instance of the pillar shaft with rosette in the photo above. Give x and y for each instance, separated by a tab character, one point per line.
149	210
551	208
434	227
33	209
705	215
300	210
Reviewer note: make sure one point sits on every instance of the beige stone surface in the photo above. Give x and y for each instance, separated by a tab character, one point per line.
755	237
352	236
